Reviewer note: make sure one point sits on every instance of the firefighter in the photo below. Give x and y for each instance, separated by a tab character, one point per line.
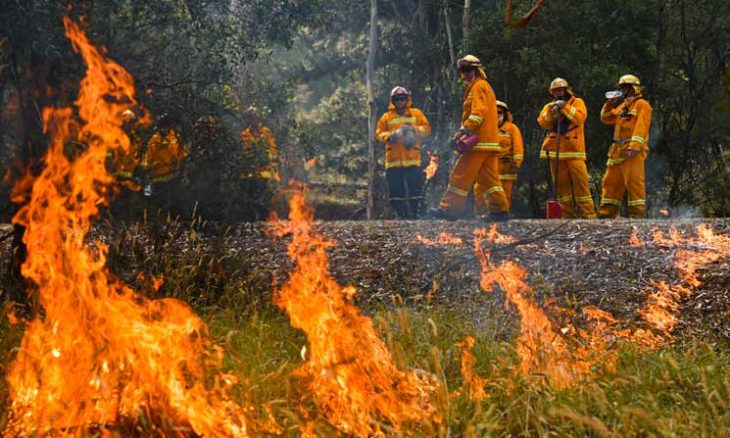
161	161
261	137
631	116
481	164
123	164
565	117
403	129
510	158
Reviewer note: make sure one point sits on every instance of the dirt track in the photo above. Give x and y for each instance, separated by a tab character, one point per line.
576	263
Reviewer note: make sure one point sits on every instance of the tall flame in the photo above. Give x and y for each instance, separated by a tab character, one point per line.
102	357
564	355
348	368
433	165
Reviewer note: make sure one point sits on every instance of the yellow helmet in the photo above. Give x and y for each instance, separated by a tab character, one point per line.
128	115
501	104
629	79
558	83
469	61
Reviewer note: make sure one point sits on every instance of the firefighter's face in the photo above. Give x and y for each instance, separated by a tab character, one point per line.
469	73
558	93
400	101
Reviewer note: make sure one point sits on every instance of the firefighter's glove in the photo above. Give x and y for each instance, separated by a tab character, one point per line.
462	132
394	137
559	103
628	153
513	169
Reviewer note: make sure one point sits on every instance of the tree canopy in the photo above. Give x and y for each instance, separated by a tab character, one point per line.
298	67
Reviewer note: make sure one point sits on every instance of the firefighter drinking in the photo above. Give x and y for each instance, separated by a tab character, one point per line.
630	114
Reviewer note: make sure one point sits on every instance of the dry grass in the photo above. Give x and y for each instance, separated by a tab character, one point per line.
682	390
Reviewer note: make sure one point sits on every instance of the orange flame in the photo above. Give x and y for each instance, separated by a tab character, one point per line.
473	384
563	355
661	311
444	238
433	165
348	368
102	357
634	239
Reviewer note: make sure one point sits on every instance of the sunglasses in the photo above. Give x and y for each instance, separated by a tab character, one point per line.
399	99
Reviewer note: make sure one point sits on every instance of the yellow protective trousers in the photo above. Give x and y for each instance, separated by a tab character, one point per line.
482	166
506	179
573	191
628	175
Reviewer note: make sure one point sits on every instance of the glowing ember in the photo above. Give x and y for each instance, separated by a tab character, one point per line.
348	368
103	358
634	239
433	165
444	238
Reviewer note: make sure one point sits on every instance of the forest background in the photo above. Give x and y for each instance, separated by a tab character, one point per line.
215	67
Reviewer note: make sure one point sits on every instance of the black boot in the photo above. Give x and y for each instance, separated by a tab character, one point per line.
495	217
438	213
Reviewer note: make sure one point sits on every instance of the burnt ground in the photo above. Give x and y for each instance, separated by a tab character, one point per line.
570	263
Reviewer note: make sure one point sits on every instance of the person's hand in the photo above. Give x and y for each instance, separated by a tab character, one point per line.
394	137
462	132
628	153
514	168
555	111
559	103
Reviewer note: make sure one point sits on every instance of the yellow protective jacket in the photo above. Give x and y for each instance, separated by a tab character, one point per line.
396	153
480	114
572	141
510	143
632	121
262	137
163	156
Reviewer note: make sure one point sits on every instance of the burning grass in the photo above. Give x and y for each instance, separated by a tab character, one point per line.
666	392
101	358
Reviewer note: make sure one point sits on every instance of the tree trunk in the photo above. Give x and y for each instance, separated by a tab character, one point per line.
465	27
449	39
371	106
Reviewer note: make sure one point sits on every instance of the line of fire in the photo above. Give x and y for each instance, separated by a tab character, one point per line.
218	256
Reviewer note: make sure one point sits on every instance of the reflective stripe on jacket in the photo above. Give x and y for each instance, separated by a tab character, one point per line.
479	114
632	121
572	142
396	153
510	143
163	156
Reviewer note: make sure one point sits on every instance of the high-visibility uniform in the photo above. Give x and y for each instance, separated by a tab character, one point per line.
479	115
511	152
163	156
123	164
572	187
261	137
632	121
403	162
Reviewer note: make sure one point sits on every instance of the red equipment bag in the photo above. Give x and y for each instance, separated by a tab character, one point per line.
464	144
